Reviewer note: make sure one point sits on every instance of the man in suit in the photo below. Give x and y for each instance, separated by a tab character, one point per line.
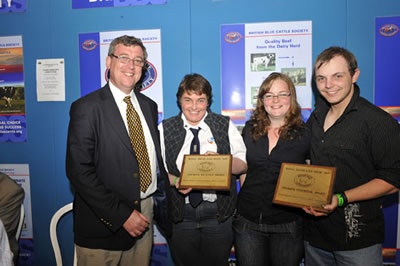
11	197
113	209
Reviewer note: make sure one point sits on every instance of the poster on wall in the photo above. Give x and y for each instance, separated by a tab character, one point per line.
12	6
160	254
250	52
93	50
387	71
12	90
387	96
77	4
20	174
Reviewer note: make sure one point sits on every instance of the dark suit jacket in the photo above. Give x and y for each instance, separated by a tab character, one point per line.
102	168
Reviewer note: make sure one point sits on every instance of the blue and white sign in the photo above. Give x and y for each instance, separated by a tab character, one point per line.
12	90
77	4
12	6
387	71
250	52
93	50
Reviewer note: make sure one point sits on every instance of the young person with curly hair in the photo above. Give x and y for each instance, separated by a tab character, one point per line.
266	233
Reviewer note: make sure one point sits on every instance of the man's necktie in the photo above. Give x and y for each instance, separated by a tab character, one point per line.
195	197
138	144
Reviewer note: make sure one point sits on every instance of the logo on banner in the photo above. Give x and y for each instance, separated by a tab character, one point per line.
232	37
89	45
389	30
150	76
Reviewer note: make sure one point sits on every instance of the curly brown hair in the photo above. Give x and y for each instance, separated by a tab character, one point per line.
260	120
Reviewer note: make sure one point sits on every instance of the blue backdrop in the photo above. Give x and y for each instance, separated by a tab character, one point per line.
190	43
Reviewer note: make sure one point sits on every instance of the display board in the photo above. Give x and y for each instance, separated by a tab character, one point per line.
250	52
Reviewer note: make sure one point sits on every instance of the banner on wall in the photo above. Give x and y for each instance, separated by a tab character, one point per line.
12	90
12	6
93	50
160	253
387	71
20	174
77	4
387	96
250	52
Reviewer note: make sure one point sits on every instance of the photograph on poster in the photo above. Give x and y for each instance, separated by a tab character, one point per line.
12	90
263	62
12	94
12	99
296	74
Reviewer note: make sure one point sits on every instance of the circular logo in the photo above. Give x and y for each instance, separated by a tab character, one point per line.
150	76
389	30
232	37
205	166
89	45
304	180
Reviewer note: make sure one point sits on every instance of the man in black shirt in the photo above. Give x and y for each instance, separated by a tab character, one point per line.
363	142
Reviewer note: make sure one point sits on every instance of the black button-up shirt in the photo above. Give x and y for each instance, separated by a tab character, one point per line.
363	144
255	197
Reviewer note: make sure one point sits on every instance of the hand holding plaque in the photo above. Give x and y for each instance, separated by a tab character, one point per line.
301	185
205	172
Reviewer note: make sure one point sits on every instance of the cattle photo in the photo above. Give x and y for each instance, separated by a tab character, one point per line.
296	74
12	100
262	62
7	93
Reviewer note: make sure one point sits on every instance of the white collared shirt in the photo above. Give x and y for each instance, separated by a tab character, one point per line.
207	143
119	100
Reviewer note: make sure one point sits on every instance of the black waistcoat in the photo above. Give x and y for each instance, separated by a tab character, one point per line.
174	136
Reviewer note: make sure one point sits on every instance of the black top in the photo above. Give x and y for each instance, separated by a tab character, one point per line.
255	197
363	144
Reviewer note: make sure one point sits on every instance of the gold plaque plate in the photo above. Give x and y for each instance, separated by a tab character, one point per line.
206	172
302	185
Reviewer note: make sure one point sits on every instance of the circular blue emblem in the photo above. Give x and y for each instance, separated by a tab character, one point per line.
150	76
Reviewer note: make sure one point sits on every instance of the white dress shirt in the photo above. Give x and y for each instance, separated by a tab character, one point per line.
207	143
119	100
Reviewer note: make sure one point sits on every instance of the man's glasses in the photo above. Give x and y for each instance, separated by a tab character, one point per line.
137	61
270	96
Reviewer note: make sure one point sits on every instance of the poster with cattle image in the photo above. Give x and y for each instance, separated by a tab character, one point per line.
251	52
12	90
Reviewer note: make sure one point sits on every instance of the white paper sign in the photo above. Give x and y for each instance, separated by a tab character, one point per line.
50	80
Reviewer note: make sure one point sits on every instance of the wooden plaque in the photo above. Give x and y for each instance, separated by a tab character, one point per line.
206	172
302	185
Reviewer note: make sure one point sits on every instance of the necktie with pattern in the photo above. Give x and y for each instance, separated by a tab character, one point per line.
195	197
138	144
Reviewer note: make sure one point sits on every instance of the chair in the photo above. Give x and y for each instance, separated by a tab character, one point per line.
53	232
21	222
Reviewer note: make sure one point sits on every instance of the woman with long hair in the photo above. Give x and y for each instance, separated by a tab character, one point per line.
266	233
